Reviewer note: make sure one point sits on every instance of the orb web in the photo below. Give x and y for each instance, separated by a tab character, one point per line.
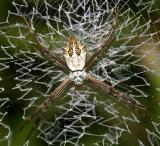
84	116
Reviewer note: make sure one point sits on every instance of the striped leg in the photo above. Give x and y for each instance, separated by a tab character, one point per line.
110	90
36	116
42	49
106	44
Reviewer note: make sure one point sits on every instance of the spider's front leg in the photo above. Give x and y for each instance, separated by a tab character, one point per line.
36	116
42	49
50	99
110	90
107	42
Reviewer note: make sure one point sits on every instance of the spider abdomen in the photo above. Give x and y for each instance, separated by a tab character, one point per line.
75	54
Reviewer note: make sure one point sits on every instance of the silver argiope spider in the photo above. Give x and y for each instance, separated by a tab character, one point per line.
77	64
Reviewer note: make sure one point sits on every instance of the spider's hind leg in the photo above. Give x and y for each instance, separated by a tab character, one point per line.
107	41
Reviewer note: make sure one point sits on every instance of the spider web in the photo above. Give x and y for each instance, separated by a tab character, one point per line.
84	116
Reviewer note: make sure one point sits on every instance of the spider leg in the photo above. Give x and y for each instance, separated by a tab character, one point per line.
109	38
36	116
42	49
114	92
32	130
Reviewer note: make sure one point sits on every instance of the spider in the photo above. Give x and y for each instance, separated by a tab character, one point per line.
77	63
